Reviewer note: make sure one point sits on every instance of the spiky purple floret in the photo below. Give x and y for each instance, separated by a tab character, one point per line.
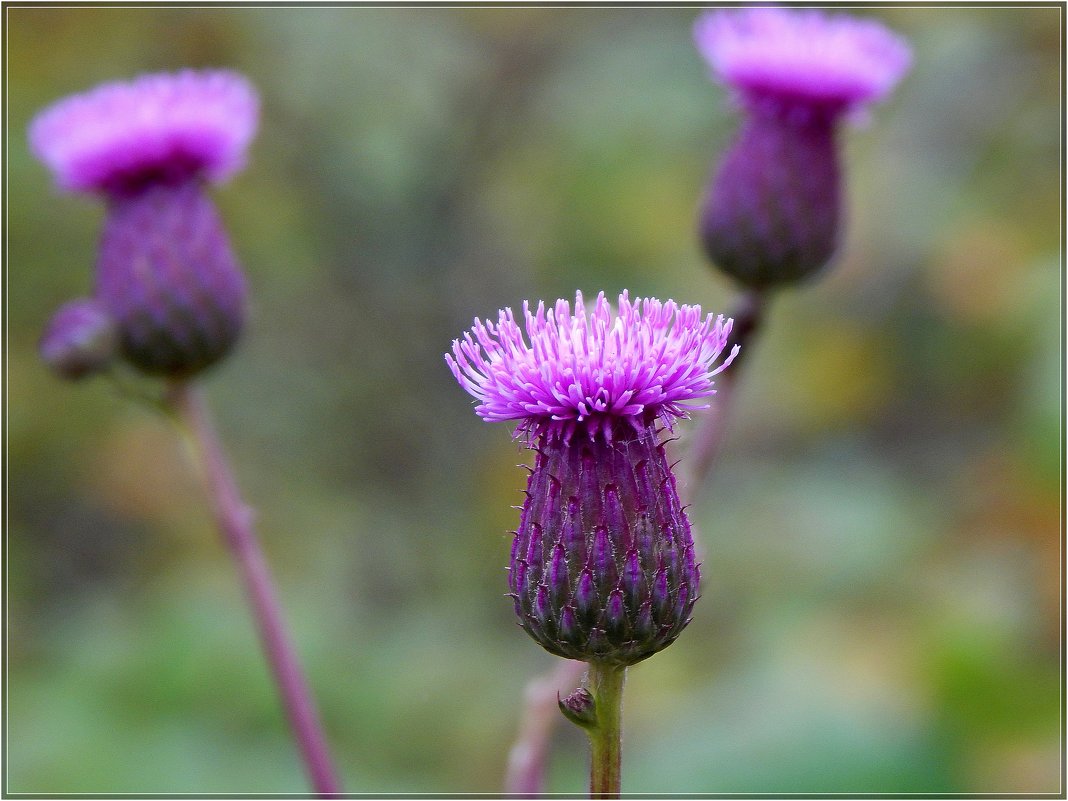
650	358
802	55
155	127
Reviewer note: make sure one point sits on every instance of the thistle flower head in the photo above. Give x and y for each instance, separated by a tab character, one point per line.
772	211
833	61
602	567
156	127
165	274
591	370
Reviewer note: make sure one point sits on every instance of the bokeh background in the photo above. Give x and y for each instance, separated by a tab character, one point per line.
881	538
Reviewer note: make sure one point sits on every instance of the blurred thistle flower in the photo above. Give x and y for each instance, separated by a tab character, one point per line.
771	213
165	271
602	565
170	294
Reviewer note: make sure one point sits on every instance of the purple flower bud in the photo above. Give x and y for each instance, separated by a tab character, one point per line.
771	214
579	708
607	574
165	271
80	339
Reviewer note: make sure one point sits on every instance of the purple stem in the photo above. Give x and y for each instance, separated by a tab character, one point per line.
708	439
234	519
529	754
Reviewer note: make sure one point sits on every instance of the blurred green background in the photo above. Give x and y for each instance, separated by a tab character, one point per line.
880	607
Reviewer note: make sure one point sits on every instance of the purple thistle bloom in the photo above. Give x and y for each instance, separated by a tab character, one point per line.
802	56
602	566
651	358
165	270
156	127
771	213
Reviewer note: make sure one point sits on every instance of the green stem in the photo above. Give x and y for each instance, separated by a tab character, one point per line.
605	683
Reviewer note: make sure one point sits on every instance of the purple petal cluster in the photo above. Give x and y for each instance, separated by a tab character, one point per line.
162	126
803	54
650	358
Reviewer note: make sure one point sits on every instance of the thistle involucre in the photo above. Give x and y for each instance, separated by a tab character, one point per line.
771	214
602	565
165	272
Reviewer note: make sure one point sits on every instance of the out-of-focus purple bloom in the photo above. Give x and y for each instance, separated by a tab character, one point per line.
802	56
156	127
165	271
79	340
602	565
771	214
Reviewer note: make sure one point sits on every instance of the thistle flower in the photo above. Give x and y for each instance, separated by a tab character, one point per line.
165	272
602	566
771	213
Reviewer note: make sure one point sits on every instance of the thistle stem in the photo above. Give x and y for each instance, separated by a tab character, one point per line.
605	683
234	519
530	752
708	439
